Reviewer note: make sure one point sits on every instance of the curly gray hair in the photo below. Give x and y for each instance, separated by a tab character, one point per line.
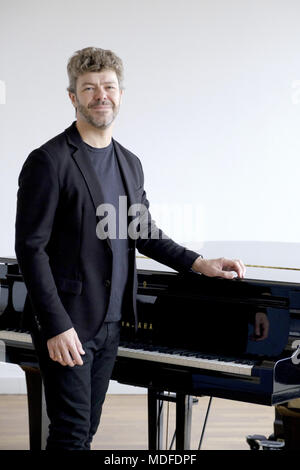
93	59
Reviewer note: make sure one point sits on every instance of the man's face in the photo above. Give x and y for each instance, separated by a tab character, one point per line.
97	98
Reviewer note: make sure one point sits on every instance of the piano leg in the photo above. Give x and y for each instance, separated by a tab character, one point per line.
183	404
155	419
38	419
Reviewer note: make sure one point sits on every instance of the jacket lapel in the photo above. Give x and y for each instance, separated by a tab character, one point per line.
86	168
126	173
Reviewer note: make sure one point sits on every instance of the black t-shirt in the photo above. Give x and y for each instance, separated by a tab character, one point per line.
106	166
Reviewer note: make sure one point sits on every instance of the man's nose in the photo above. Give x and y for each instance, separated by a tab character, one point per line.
100	94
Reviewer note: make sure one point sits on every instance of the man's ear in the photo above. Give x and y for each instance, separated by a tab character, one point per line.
72	97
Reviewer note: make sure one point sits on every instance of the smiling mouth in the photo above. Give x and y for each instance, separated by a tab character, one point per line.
101	107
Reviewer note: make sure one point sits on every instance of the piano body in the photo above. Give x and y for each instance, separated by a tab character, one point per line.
195	337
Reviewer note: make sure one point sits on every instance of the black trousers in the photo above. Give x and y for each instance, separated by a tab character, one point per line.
75	395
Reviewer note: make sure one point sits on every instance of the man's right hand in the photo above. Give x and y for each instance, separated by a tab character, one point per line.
66	348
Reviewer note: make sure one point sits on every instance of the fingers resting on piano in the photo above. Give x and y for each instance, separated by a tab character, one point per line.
220	267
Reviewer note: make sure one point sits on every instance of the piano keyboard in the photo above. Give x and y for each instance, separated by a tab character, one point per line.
15	336
190	359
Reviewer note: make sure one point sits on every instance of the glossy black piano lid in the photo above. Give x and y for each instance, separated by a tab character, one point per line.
216	315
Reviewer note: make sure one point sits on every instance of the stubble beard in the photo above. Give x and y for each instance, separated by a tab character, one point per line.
101	122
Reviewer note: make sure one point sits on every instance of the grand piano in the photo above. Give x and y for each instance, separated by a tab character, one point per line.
196	336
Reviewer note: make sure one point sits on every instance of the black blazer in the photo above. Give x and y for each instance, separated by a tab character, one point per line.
66	267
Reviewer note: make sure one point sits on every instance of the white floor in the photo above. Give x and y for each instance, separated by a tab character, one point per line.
12	379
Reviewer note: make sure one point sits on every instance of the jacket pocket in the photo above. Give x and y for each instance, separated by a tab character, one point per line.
69	285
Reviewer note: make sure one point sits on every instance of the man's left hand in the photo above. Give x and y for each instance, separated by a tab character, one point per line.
220	267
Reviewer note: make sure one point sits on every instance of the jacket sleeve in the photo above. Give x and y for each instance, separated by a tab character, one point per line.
155	244
37	200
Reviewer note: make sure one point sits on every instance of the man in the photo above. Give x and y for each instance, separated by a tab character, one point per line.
81	282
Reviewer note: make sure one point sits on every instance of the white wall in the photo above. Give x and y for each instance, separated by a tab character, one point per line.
212	105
